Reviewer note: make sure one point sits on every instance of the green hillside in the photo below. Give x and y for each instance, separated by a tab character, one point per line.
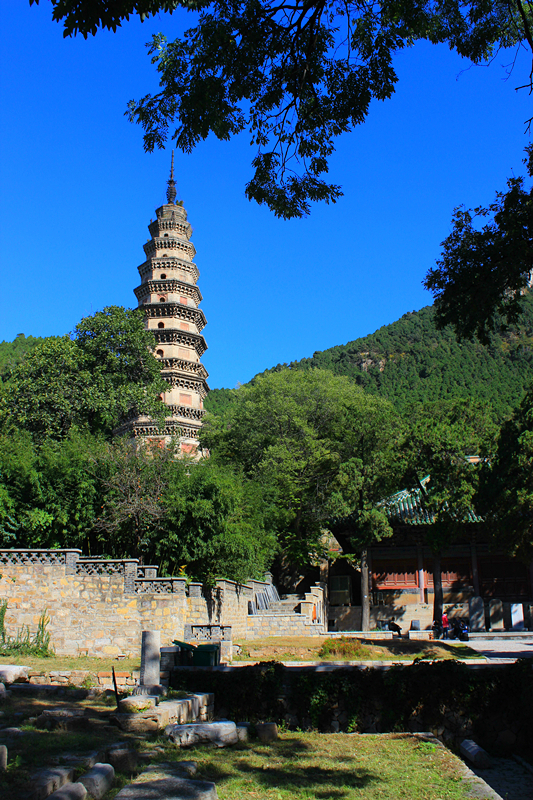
411	361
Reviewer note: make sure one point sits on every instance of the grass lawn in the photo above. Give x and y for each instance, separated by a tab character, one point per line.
300	766
37	749
278	648
313	766
73	662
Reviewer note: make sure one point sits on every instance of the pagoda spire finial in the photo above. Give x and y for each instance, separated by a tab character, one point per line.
171	188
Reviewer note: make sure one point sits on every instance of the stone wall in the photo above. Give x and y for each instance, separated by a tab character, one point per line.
99	607
264	625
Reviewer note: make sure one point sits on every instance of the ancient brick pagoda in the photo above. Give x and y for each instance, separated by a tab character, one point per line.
170	298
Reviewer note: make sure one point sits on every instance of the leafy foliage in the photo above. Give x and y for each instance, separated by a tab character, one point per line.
443	436
294	74
318	446
177	513
483	274
92	380
11	353
506	494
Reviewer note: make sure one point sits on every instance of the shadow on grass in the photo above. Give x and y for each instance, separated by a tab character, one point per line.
287	766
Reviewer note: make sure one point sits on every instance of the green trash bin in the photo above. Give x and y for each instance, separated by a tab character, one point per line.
206	655
186	654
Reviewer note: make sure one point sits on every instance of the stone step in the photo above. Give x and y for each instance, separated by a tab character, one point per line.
167	782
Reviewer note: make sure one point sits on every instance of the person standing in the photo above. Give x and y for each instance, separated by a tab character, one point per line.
445	625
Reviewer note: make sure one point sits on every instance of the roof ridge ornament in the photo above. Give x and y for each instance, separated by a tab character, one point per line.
171	189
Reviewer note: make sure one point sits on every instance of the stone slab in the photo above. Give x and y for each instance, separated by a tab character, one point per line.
98	780
189	768
220	734
146	722
47	781
66	719
11	733
85	760
164	782
122	757
496	615
474	753
11	673
517	617
476	611
132	705
267	731
3	758
71	791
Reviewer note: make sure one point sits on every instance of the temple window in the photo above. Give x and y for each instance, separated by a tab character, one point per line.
159	353
161	299
163	276
160	324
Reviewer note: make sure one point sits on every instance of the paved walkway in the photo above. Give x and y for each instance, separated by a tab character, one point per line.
509	779
503	651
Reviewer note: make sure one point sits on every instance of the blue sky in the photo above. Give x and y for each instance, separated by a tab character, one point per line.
78	192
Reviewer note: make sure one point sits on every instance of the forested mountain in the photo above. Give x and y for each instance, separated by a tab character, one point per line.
411	361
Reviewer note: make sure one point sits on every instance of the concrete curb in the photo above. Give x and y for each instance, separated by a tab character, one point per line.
479	789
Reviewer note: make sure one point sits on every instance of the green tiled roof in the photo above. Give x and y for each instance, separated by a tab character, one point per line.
406	507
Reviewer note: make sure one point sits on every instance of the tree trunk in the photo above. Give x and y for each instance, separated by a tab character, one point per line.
437	589
365	594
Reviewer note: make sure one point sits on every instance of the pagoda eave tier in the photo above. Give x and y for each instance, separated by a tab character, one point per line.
179	381
154	246
172	427
180	366
166	263
166	286
188	339
169	224
178	310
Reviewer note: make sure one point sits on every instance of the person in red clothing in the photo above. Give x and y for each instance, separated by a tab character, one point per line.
445	625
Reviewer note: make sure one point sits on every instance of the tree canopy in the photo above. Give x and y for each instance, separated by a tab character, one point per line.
90	380
482	277
506	494
319	447
294	73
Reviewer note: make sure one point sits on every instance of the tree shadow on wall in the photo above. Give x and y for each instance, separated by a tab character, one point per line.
213	599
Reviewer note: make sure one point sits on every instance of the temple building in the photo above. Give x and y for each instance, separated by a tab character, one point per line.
170	298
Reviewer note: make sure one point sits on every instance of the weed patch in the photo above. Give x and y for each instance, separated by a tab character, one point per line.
23	643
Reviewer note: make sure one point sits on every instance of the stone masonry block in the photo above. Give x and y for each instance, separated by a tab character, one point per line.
47	781
98	780
474	753
71	791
